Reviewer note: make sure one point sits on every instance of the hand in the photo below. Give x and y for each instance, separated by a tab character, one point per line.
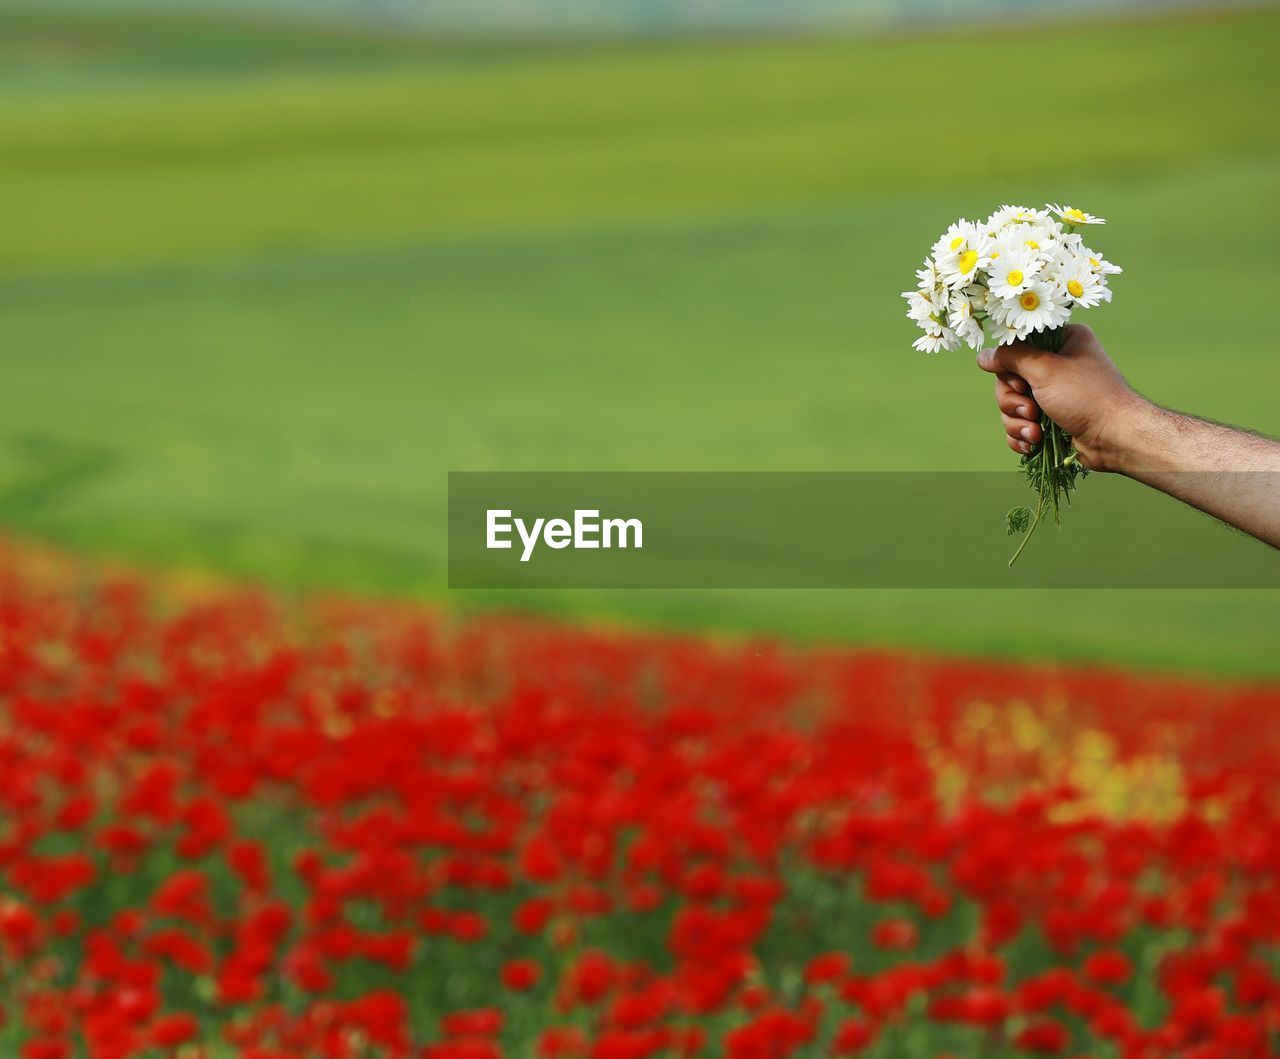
1079	388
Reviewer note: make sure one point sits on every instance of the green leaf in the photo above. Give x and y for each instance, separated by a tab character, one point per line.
1017	520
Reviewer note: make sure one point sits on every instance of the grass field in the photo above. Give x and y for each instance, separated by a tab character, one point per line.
262	286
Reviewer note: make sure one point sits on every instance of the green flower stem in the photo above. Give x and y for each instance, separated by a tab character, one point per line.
1051	468
1030	530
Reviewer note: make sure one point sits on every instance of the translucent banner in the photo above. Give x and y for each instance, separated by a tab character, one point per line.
831	530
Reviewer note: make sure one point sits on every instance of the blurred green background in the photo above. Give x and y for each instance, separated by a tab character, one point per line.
263	282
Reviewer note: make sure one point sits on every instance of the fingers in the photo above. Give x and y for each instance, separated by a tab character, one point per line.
1014	382
1019	413
1012	397
1022	433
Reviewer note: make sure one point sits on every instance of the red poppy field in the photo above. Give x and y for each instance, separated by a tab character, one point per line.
235	826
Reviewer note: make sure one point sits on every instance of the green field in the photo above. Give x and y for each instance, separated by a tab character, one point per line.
261	286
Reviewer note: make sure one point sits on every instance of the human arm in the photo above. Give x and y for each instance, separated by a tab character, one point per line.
1231	474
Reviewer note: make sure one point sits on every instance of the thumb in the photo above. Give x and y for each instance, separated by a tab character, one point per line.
989	360
1012	359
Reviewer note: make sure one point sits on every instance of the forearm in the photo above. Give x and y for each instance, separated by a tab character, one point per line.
1227	473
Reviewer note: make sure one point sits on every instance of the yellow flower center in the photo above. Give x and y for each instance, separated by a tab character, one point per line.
1014	277
957	242
1030	301
1074	215
1033	244
1094	262
967	260
1075	288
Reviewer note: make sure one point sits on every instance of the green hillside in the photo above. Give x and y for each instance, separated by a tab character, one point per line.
260	288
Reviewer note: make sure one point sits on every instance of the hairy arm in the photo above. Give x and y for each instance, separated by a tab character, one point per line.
1231	474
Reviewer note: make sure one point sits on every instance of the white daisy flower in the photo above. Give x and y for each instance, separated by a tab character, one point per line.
961	320
962	252
1081	284
1073	216
1007	215
1040	239
1099	263
915	303
994	309
965	267
1003	334
925	308
1012	271
961	303
929	276
1003	330
945	340
1038	307
954	239
971	334
1056	256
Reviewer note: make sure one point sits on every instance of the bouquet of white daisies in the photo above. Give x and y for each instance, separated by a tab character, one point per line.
1017	275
